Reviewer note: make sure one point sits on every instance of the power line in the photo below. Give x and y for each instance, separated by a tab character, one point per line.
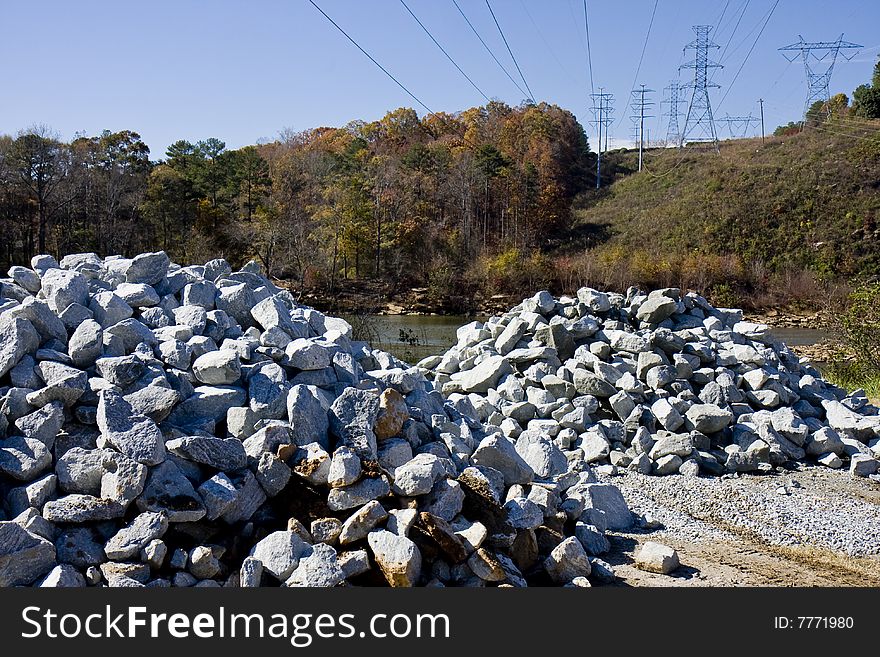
758	38
723	11
386	72
488	49
735	28
550	48
644	47
370	57
510	52
589	52
443	50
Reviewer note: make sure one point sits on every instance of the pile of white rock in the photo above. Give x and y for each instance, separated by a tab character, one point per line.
659	383
194	426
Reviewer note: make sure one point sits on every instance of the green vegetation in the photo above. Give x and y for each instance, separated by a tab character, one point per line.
859	329
777	224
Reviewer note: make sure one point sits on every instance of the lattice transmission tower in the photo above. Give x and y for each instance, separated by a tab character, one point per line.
738	126
819	59
640	105
603	108
673	98
699	125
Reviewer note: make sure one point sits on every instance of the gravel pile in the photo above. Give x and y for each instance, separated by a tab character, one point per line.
658	383
194	426
794	509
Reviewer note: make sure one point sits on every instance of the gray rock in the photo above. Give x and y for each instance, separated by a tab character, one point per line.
591	538
207	403
137	295
130	333
280	552
203	563
667	465
63	383
272	473
24	558
121	371
308	416
326	530
61	288
76	508
587	383
218	494
249	497
418	476
176	354
43	424
318	567
483	376
123	479
656	308
522	513
823	441
397	556
656	558
708	418
359	524
236	301
86	344
108	309
542	455
609	499
131	539
251	573
352	417
154	402
44	319
511	334
498	453
304	354
26	278
148	268
24	458
345	468
358	494
136	436
567	561
862	465
168	490
78	546
62	576
220	453
220	367
17	338
33	494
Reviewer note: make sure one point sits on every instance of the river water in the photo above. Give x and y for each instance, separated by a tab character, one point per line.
413	337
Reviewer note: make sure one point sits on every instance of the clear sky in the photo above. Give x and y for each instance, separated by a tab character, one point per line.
245	70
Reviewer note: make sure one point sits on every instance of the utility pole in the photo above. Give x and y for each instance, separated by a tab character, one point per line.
602	109
639	104
699	124
818	51
761	103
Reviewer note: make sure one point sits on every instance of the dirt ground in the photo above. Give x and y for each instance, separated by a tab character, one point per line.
743	557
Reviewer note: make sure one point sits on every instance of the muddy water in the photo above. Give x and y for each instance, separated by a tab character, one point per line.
413	337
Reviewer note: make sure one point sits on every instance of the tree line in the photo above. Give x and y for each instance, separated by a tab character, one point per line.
403	199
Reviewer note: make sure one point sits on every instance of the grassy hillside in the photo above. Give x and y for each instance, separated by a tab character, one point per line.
757	224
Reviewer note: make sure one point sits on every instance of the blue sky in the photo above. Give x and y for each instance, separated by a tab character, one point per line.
243	71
